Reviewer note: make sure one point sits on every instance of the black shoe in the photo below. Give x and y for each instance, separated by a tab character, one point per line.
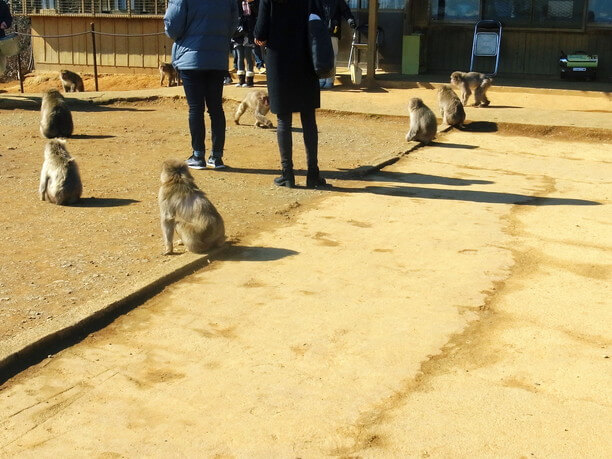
227	80
316	182
285	180
196	162
249	82
215	163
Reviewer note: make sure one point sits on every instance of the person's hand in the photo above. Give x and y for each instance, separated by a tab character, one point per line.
3	25
260	42
352	24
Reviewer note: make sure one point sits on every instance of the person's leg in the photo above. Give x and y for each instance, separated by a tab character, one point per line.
248	57
194	93
214	104
258	54
311	142
285	146
240	52
329	83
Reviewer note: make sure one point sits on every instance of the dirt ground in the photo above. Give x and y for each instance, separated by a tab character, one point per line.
59	257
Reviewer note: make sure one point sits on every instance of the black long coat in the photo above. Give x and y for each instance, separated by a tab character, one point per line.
293	85
5	16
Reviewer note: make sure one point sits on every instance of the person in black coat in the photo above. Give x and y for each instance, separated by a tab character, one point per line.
6	20
293	85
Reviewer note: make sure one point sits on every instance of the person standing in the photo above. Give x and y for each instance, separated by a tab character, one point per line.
293	85
201	30
6	20
335	11
244	43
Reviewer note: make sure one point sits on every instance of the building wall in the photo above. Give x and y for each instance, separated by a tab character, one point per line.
114	54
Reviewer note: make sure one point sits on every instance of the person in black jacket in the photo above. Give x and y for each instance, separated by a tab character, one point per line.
293	86
244	43
6	20
334	11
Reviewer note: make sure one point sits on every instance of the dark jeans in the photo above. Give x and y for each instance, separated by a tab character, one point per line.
204	88
244	54
311	140
259	56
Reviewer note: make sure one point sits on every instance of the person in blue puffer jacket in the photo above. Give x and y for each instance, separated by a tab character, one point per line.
201	30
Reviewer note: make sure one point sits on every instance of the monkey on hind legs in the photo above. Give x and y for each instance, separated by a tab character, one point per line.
185	208
423	124
478	82
259	102
60	181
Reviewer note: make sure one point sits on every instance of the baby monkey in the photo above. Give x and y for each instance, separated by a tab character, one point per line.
72	82
169	72
451	108
60	181
56	119
259	102
184	207
423	124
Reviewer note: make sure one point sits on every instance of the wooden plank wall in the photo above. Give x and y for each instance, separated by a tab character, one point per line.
522	52
114	54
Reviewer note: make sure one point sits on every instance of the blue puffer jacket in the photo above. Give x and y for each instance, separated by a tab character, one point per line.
201	30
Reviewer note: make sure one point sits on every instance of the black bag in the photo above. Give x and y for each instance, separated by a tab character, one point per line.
321	47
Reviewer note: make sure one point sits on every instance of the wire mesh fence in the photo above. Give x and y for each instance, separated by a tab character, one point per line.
94	7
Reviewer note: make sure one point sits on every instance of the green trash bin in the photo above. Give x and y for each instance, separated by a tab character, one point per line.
411	52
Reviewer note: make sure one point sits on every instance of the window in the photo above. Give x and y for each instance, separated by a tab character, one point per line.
455	10
382	4
600	12
536	13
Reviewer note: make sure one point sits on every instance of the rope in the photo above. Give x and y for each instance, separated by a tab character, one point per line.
88	32
51	36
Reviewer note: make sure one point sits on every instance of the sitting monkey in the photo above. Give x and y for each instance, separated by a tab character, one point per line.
423	124
60	182
259	102
451	108
185	208
71	82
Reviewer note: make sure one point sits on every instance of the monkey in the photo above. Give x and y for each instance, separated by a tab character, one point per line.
451	108
260	103
423	124
168	71
478	82
72	82
60	181
184	207
56	119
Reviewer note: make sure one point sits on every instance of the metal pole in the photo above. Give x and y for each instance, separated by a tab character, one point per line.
19	73
95	62
372	32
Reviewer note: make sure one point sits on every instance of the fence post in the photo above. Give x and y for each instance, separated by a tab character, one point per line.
19	72
93	40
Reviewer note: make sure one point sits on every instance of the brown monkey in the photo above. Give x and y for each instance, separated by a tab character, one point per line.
56	119
72	82
469	81
451	108
169	72
184	207
60	182
260	103
423	124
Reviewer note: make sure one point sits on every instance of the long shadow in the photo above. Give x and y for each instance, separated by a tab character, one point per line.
480	126
33	103
423	179
244	253
104	202
503	106
91	136
461	146
491	197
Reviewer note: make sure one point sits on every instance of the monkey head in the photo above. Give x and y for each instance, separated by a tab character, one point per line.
415	103
266	101
456	78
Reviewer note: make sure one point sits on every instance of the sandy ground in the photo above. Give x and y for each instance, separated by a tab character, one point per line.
454	305
386	317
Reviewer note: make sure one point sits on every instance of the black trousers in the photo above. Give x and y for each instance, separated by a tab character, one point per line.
204	88
311	140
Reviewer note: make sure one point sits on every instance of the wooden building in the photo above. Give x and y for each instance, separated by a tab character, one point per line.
534	33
